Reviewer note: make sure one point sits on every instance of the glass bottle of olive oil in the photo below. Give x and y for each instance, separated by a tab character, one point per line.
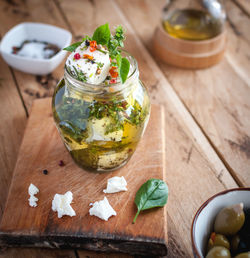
200	23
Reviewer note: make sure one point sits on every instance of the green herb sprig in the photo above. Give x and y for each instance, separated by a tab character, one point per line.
79	75
153	193
114	43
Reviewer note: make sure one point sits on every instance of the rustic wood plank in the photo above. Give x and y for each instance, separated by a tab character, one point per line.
12	127
244	5
237	53
35	253
190	166
217	97
17	11
12	110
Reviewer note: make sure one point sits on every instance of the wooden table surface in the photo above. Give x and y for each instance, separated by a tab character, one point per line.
207	111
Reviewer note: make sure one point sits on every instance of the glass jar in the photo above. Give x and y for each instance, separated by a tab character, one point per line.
101	125
194	19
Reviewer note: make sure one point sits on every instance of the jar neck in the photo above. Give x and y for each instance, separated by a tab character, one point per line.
102	90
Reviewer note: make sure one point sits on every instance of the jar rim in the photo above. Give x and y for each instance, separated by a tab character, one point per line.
102	85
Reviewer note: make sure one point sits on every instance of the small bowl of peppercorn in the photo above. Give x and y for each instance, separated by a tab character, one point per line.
221	226
35	48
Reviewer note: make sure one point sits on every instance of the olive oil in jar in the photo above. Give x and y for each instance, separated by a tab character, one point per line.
191	24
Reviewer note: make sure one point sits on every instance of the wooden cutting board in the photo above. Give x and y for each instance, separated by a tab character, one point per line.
42	148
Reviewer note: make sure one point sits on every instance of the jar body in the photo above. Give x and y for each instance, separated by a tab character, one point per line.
101	131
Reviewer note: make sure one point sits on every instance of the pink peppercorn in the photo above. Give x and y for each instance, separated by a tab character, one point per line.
112	81
77	56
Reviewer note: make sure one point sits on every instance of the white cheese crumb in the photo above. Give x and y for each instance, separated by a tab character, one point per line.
116	184
32	191
32	201
102	209
61	204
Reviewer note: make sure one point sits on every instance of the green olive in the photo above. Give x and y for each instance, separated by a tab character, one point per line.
229	220
218	252
243	255
217	240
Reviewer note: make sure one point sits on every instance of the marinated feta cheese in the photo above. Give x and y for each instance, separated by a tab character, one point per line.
116	184
61	204
102	209
88	65
32	190
97	131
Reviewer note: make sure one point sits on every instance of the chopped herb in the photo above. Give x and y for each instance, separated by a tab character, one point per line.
80	75
100	65
103	51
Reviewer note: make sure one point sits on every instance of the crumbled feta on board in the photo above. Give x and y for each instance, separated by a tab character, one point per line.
94	65
61	204
102	209
32	191
116	184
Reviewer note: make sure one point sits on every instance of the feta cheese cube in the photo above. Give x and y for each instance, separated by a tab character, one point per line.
102	209
95	69
61	204
116	184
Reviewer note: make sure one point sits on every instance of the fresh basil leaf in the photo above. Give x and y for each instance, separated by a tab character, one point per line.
124	69
102	34
72	47
153	193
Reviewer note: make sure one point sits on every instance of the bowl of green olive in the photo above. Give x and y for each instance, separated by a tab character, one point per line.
221	226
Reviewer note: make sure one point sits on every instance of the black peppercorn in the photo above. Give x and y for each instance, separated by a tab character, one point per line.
45	172
87	43
61	163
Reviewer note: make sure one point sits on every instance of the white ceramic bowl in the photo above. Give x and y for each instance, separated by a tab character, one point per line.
203	221
38	31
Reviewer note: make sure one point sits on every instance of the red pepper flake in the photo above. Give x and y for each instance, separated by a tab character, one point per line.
213	235
112	81
93	46
61	163
77	56
113	72
14	49
86	56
